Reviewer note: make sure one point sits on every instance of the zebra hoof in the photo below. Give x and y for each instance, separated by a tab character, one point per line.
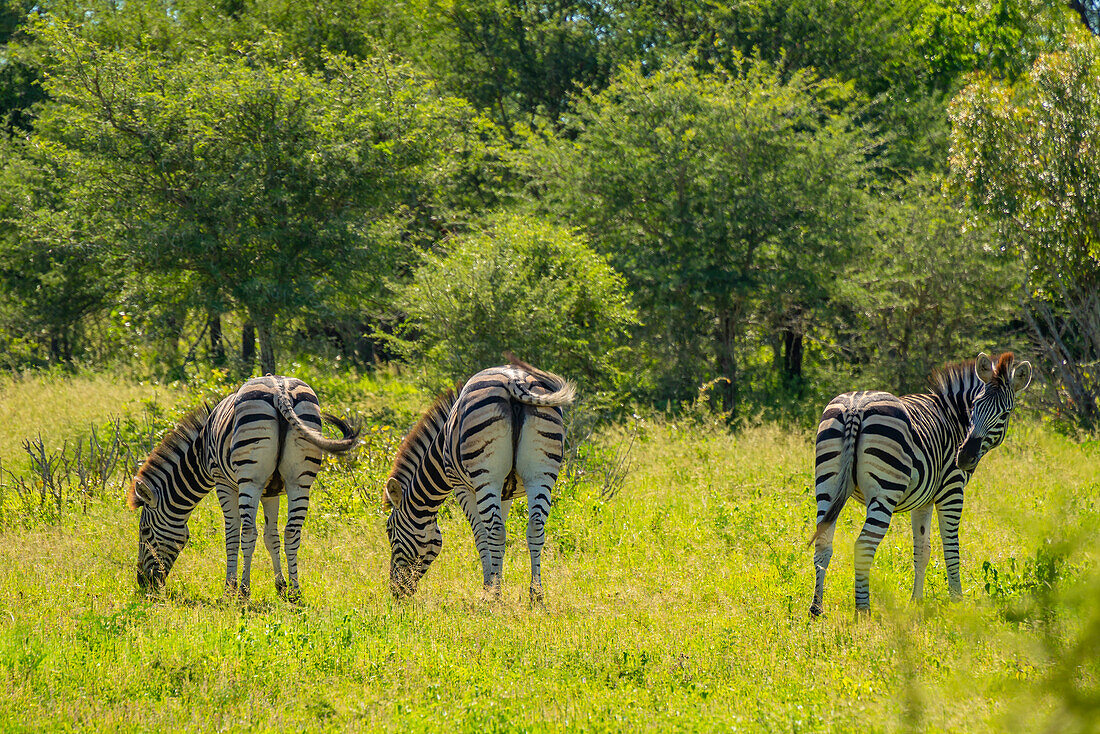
294	596
863	612
537	597
816	610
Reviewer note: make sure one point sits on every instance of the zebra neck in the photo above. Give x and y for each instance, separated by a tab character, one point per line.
957	403
429	486
183	475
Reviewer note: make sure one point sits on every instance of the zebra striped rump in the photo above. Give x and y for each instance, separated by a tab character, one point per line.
499	431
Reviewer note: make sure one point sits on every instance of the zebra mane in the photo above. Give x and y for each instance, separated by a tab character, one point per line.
415	445
959	376
170	448
954	378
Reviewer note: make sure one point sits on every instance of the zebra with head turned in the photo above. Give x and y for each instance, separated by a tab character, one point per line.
910	453
501	430
258	443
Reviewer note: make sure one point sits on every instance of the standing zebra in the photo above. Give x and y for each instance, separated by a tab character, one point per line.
260	442
503	429
910	453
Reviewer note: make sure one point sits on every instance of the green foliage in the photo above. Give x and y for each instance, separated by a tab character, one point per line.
902	57
1025	156
55	268
724	199
932	289
525	285
258	176
517	61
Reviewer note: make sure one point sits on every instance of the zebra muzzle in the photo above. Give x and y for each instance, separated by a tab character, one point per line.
969	453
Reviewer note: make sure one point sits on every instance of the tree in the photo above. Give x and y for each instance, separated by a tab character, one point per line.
932	288
904	58
274	184
722	199
54	267
1025	155
522	284
517	61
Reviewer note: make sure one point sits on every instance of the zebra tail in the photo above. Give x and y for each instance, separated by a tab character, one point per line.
843	475
332	445
562	391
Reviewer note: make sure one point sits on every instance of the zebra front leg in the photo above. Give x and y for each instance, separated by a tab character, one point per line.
874	529
538	509
949	514
823	553
468	502
227	498
922	547
271	539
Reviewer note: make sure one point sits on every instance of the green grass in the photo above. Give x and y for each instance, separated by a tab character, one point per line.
678	604
62	407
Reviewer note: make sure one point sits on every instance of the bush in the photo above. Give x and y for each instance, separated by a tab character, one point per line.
525	285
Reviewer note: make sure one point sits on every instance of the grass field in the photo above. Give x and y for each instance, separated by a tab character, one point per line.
680	603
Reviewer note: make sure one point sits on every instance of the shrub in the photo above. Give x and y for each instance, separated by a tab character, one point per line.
520	284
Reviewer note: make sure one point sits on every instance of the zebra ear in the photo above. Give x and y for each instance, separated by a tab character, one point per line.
1021	377
145	493
983	366
394	491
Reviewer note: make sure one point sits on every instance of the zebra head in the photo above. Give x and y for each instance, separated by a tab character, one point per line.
993	406
412	548
159	540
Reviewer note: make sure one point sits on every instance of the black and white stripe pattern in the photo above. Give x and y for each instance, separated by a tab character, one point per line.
910	453
258	443
503	430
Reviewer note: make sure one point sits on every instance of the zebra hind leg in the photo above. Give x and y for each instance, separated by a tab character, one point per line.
823	553
297	506
249	499
874	529
468	502
493	520
271	539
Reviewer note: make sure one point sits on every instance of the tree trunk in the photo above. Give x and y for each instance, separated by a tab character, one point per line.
267	348
792	353
217	348
248	348
726	361
55	348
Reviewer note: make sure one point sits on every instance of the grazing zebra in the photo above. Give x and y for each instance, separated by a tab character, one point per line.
502	429
910	453
260	442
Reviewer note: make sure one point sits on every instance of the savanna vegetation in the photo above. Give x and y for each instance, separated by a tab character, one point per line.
677	579
712	216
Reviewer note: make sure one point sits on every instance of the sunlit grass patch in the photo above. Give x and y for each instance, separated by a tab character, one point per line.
678	603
